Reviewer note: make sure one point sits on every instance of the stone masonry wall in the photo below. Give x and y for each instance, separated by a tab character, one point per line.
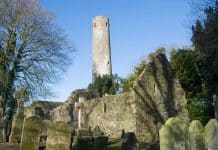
158	96
112	114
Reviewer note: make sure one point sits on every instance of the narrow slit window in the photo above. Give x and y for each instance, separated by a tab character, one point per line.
155	88
105	108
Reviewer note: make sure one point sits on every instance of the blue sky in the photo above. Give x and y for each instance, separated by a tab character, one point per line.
137	27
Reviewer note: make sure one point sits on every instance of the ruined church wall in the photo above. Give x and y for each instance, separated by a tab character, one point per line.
111	114
158	96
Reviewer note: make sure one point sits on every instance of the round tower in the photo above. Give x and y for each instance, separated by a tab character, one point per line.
101	50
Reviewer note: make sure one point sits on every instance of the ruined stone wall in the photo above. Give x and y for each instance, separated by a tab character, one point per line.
41	108
158	96
111	113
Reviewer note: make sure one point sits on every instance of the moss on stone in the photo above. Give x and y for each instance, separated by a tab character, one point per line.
211	134
17	127
174	135
31	133
196	131
59	136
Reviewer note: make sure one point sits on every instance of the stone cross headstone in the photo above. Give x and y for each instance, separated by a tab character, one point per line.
31	133
59	136
21	95
211	135
196	132
78	106
17	124
174	135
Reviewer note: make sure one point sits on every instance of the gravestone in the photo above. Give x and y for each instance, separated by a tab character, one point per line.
196	132
17	123
2	124
174	135
211	135
31	133
59	136
44	132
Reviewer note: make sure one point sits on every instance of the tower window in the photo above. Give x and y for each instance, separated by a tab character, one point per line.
106	24
94	24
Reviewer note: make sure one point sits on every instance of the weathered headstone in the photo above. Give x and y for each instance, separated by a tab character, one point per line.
17	123
196	132
31	133
59	136
174	135
211	135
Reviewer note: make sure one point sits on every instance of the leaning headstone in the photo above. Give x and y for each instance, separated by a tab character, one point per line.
211	135
196	132
17	123
31	133
59	136
174	135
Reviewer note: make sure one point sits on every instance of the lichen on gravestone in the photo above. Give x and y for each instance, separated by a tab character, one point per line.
211	135
17	124
196	132
59	136
174	135
31	133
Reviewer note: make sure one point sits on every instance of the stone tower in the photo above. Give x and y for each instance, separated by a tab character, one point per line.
101	50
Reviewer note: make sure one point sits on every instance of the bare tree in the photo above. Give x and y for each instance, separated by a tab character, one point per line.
33	50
